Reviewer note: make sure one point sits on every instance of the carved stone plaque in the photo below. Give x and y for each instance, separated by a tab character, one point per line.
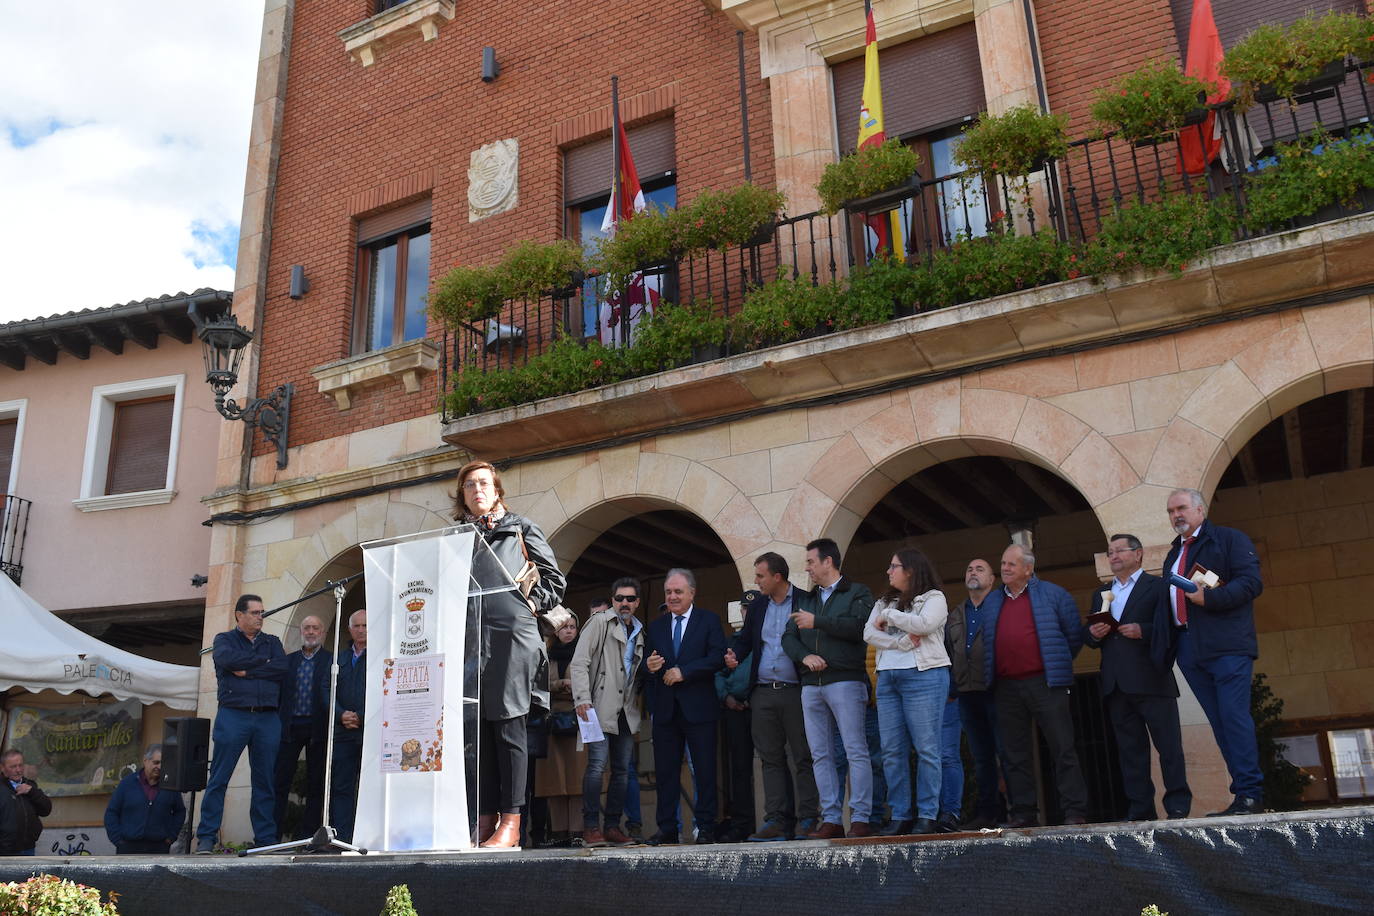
492	186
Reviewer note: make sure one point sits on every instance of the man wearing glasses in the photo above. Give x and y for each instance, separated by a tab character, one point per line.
606	670
1141	698
250	666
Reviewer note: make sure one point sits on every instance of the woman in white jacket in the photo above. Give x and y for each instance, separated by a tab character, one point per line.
907	626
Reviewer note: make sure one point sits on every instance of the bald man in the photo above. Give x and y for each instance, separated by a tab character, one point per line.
304	720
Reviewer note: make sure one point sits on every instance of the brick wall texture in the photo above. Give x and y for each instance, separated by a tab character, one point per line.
356	139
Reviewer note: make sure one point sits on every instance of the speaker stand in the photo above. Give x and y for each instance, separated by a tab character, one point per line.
326	837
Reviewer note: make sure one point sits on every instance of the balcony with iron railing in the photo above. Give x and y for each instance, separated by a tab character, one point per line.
14	529
948	222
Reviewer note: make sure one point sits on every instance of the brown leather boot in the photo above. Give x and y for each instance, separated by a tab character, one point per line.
507	835
486	826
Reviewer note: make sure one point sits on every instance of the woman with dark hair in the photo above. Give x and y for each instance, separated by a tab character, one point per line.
907	626
512	657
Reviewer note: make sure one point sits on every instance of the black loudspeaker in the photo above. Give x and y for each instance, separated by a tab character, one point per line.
185	754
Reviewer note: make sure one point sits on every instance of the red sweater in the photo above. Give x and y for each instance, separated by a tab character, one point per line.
1018	646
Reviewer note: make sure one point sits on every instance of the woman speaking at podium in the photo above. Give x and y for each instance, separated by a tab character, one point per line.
513	659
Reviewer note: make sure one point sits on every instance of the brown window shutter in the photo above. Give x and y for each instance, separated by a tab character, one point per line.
1236	18
928	83
140	442
390	222
587	169
8	430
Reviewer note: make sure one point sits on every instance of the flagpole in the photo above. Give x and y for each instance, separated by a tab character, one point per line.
744	109
615	149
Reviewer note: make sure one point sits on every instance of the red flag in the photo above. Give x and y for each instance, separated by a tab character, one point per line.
620	313
627	197
1199	145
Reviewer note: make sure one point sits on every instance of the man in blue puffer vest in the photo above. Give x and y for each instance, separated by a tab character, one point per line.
1030	660
143	818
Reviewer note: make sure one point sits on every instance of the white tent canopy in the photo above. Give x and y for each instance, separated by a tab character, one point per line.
40	651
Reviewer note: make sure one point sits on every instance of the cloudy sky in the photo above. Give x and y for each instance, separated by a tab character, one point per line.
123	140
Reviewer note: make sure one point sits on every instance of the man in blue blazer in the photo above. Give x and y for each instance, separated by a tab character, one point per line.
1211	631
1141	697
304	725
1036	632
685	648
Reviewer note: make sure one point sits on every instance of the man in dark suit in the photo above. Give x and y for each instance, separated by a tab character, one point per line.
1141	697
349	710
304	723
686	647
1211	631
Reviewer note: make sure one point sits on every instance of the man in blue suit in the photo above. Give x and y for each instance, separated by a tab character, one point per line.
1211	631
1036	633
685	648
304	725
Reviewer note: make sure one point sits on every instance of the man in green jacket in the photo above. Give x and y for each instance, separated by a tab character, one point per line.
825	640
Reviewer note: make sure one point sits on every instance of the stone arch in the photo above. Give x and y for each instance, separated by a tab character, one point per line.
585	499
334	551
941	422
1331	349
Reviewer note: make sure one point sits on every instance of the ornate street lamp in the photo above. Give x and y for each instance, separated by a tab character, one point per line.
224	340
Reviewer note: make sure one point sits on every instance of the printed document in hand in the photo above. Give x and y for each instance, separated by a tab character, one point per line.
589	729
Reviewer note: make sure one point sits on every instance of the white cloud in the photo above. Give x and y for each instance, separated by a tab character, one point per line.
123	142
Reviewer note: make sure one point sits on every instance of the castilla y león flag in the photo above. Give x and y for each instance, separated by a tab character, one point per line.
621	312
1200	145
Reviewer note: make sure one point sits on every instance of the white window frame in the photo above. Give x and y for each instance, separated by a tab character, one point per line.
99	431
15	410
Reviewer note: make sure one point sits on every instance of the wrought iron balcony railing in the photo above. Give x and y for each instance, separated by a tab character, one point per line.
1071	195
14	528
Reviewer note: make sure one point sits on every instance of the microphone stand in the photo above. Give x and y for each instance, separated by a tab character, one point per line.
326	837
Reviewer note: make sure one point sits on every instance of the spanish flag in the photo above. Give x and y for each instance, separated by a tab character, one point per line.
887	226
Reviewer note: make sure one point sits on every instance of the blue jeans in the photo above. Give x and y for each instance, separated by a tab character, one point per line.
824	709
633	815
617	749
1222	688
978	713
880	812
234	730
32	850
910	708
951	761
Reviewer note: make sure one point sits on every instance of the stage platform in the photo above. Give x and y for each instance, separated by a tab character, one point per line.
1308	862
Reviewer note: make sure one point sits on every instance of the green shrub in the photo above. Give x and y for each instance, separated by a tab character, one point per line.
784	310
1151	102
720	218
866	172
1013	143
667	338
1167	234
1284	56
467	295
998	264
881	289
533	269
1309	174
398	902
645	240
49	895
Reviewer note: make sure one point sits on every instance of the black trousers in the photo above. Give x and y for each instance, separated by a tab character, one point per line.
343	789
739	764
295	738
502	766
1018	702
671	739
1136	719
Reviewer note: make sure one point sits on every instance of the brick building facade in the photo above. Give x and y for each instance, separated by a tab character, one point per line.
1122	389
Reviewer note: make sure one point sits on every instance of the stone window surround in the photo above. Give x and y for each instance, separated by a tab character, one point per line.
14	410
410	362
98	430
415	20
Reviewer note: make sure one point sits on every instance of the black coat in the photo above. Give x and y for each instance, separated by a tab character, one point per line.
514	662
351	696
702	655
319	690
1225	623
20	816
1126	663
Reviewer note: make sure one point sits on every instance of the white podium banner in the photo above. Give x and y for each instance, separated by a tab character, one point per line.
413	795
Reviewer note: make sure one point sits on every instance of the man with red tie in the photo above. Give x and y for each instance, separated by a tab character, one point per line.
1212	632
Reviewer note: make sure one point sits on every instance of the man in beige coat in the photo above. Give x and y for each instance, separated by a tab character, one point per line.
606	673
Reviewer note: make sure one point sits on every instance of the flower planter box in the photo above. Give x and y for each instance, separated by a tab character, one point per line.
1322	86
888	199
